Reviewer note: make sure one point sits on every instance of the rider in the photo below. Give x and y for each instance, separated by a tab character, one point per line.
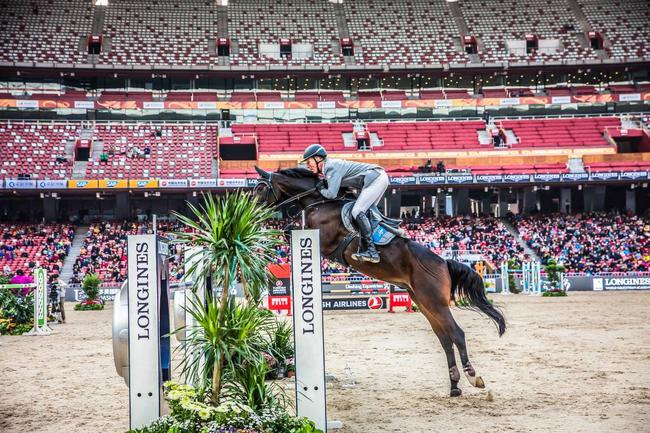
371	179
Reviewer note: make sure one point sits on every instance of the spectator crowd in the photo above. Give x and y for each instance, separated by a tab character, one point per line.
591	242
586	243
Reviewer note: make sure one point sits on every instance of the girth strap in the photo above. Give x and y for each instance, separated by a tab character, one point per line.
337	255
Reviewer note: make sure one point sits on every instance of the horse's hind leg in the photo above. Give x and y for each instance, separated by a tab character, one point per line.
448	347
458	337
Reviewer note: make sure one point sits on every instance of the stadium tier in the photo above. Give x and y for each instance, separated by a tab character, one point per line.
115	150
318	32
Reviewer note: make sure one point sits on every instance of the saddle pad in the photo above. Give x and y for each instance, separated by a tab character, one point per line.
380	236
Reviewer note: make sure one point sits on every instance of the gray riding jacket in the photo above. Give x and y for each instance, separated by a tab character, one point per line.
339	172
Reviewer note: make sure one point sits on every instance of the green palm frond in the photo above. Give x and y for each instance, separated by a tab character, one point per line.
235	243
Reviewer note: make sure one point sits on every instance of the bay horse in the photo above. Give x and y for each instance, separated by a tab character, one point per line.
432	281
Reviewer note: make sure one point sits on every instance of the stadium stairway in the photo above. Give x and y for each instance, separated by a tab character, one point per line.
515	233
77	242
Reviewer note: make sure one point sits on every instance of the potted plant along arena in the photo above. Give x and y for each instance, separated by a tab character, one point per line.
90	286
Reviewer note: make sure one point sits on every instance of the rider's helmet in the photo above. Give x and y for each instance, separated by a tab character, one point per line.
314	150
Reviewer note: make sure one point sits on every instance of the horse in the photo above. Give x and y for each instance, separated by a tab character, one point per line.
432	281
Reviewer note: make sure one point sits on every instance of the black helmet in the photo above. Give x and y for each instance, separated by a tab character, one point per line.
314	150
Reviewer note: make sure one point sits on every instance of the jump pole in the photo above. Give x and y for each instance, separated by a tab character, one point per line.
311	395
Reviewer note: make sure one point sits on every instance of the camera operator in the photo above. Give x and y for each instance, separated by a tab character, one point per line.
57	297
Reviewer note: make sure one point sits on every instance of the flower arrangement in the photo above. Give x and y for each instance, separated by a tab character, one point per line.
189	413
16	311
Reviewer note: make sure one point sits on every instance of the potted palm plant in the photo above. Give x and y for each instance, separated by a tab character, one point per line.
236	246
90	286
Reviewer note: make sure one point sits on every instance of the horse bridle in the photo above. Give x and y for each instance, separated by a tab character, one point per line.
269	185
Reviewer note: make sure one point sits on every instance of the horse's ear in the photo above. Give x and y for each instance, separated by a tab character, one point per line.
263	174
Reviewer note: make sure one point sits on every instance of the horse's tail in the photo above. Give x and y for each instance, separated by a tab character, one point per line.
467	285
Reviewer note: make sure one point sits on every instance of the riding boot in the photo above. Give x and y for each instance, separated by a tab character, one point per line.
367	251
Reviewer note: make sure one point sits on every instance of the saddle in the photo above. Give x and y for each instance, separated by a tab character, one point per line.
384	230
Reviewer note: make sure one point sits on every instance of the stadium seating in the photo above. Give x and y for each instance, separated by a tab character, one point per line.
255	22
32	149
175	151
496	21
44	31
26	246
169	32
403	32
561	132
624	25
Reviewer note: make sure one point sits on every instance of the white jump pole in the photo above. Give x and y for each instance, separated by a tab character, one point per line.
311	399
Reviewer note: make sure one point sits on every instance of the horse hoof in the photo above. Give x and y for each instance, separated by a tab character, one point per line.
479	382
456	392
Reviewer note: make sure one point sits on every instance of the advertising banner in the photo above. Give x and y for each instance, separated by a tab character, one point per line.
391	104
509	101
489	178
114	183
153	105
203	183
231	183
621	283
355	303
52	184
431	180
629	97
574	177
206	105
20	184
272	105
604	175
26	104
83	184
405	180
172	183
546	177
143	183
634	175
325	104
516	178
460	178
88	105
560	99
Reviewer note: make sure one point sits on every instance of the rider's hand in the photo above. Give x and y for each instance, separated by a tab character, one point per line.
321	184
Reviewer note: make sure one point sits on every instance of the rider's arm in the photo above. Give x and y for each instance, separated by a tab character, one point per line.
333	177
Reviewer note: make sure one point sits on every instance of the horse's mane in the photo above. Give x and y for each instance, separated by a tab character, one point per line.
298	173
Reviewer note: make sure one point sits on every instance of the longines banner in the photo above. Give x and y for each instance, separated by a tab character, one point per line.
404	180
605	283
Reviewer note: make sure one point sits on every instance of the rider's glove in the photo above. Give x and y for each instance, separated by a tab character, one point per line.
321	184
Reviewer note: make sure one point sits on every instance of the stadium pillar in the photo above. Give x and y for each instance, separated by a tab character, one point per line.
630	200
50	209
565	200
529	200
394	203
122	205
594	197
503	203
461	201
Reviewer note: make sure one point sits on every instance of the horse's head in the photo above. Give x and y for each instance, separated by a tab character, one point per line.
282	185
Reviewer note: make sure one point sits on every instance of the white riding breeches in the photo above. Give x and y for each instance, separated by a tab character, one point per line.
371	194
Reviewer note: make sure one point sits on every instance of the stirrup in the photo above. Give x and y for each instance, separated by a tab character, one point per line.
366	256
